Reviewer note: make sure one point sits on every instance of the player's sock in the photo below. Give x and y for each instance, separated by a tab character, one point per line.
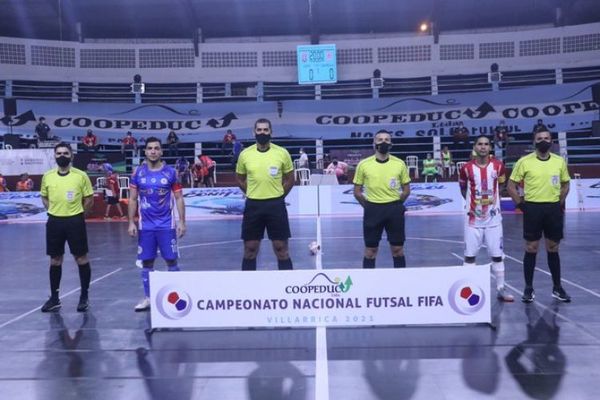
368	262
174	268
85	275
468	264
399	262
146	280
529	267
285	264
498	270
55	275
249	264
554	265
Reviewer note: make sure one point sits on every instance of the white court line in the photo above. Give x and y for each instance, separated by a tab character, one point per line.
322	362
19	317
595	294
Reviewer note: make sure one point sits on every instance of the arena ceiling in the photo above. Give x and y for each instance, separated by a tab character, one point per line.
57	19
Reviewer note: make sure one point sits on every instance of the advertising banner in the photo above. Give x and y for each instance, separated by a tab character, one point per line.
561	107
310	298
335	200
22	207
33	161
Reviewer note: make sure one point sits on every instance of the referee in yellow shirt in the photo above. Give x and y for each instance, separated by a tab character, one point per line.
386	186
546	182
265	173
66	193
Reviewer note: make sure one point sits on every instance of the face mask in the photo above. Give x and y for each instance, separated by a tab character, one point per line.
263	139
543	146
383	147
63	161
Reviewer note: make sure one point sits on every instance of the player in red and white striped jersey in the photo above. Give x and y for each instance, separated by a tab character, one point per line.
480	181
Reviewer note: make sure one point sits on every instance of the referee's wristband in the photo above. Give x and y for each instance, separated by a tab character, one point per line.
520	206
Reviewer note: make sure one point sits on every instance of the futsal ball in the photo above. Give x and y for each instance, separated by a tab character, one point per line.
314	248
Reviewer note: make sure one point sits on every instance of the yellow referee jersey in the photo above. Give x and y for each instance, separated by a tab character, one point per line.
264	171
542	178
65	193
382	180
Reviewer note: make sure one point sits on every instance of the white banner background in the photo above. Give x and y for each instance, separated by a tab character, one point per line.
33	161
436	295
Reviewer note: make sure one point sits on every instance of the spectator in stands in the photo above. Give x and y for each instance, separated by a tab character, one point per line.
539	126
235	153
173	142
500	140
25	184
89	141
227	145
430	167
3	187
112	192
182	167
205	168
198	173
339	169
303	159
461	134
446	158
42	130
128	142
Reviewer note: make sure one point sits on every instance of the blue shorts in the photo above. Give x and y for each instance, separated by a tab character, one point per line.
149	241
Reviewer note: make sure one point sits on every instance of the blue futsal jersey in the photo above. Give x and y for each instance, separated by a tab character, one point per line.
155	193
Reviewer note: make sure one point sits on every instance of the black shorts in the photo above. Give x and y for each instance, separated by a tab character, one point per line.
66	229
112	200
388	216
270	214
546	218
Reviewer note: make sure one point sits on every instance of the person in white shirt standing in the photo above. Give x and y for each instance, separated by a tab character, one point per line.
480	181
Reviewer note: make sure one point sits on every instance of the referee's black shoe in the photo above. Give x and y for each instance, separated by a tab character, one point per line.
559	294
83	305
53	304
528	295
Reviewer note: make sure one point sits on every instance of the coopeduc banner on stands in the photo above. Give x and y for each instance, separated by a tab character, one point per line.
562	107
436	295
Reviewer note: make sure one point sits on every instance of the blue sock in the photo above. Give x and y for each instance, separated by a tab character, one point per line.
174	268
146	280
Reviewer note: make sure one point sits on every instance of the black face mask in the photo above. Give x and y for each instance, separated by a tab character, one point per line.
383	147
262	138
543	146
63	161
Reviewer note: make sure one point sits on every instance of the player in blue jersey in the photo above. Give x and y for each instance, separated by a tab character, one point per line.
155	189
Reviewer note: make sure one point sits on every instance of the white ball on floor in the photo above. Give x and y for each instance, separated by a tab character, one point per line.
314	248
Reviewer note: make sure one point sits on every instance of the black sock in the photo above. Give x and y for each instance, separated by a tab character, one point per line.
248	264
285	264
529	267
55	275
85	274
554	265
368	262
399	262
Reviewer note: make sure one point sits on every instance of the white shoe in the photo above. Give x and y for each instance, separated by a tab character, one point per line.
504	296
143	305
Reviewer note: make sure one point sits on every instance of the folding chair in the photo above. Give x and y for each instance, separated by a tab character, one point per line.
412	162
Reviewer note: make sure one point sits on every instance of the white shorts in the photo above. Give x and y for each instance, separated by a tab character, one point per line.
490	236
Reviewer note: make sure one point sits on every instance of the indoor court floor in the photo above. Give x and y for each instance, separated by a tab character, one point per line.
543	350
